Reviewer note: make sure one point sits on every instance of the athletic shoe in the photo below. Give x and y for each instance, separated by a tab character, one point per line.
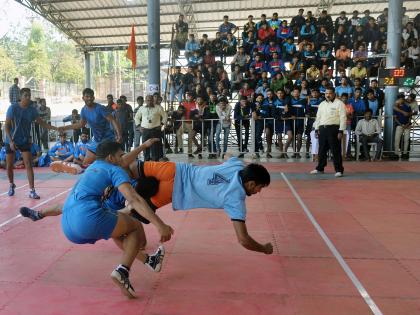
338	174
11	191
315	172
123	282
66	167
31	214
154	262
33	194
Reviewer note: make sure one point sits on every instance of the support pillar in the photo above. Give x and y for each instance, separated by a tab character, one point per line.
88	81
153	34
392	61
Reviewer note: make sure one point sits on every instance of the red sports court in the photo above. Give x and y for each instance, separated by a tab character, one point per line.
370	217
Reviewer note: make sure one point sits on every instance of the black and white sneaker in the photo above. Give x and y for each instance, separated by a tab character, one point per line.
122	280
154	262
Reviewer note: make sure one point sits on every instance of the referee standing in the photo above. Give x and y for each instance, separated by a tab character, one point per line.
329	126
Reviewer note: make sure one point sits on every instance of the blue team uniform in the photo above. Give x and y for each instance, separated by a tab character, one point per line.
298	108
80	149
266	111
282	125
116	200
311	110
96	118
84	218
66	149
215	187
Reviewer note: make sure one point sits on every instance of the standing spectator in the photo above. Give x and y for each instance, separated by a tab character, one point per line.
223	111
14	91
212	118
372	102
241	115
330	124
325	20
176	85
402	113
189	106
345	141
137	133
249	26
262	21
284	32
217	45
365	20
177	117
181	32
111	105
19	117
297	22
343	21
190	47
226	27
311	111
129	109
368	131
45	114
259	124
282	115
267	113
62	150
74	118
229	45
274	23
150	119
205	44
122	116
297	107
382	18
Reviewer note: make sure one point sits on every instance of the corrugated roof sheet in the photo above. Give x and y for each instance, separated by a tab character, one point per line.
107	23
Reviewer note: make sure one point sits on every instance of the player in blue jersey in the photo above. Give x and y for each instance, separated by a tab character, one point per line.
99	118
298	106
282	113
19	119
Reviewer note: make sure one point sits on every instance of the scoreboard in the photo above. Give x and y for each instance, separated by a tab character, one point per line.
401	77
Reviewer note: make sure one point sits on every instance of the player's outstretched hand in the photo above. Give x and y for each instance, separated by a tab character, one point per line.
268	249
150	142
165	232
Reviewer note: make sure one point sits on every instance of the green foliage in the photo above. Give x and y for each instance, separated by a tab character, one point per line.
7	66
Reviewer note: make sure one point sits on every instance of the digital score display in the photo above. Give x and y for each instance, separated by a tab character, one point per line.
396	77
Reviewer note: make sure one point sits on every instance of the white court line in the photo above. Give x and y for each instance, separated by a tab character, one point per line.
38	205
5	193
365	295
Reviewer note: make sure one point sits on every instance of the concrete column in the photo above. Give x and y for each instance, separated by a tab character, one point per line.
392	61
153	35
88	81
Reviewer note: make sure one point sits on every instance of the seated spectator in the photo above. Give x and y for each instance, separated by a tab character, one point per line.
296	67
247	91
275	65
278	82
266	33
360	55
325	21
341	37
322	38
249	42
62	150
176	85
409	34
259	65
263	89
217	45
307	31
357	83
223	110
369	131
297	22
270	49
250	26
236	79
284	32
343	21
359	72
304	89
359	37
372	34
371	102
301	46
382	18
402	113
289	49
81	147
308	56
209	59
240	59
324	56
354	21
343	57
195	60
358	104
227	28
344	87
205	44
259	47
17	162
229	45
190	47
35	151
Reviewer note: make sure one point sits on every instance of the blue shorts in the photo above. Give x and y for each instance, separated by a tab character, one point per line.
87	227
283	126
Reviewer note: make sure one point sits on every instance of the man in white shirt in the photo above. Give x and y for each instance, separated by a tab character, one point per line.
329	126
149	120
368	131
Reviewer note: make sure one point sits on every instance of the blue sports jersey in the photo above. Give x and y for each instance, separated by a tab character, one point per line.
80	149
96	118
116	200
267	108
22	119
65	149
215	187
298	106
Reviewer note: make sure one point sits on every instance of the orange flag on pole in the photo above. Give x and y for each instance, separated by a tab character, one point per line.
131	50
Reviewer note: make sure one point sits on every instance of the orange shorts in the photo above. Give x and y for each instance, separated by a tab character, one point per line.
164	172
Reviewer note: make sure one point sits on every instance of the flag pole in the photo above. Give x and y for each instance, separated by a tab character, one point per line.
134	87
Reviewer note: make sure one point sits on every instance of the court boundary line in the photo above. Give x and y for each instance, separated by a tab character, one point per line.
6	192
34	207
356	282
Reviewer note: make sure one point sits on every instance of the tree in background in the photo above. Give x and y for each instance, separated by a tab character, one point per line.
7	66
